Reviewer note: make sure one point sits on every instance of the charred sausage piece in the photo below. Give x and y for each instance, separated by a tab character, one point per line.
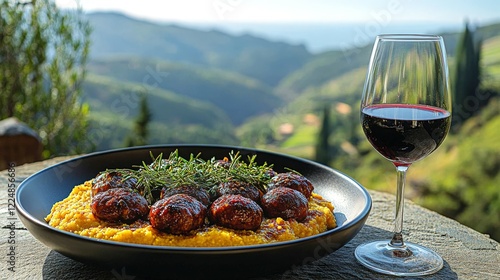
285	203
293	181
242	188
177	214
236	211
119	205
110	180
194	191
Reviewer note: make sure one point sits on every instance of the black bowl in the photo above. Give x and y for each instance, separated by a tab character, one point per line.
36	195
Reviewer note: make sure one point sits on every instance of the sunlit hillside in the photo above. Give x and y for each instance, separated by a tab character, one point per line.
491	58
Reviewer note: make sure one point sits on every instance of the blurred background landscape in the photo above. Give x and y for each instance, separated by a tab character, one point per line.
288	84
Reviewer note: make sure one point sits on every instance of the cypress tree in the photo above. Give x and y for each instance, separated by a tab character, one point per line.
140	132
466	78
322	145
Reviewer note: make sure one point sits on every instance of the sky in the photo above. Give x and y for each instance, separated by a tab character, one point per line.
361	19
296	10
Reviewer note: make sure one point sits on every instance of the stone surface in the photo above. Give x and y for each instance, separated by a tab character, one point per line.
467	253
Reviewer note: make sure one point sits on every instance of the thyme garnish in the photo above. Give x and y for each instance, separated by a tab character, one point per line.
176	171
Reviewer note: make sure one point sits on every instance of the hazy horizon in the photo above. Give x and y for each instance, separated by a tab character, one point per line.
320	24
318	37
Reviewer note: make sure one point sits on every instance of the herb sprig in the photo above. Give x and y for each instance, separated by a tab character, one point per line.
176	171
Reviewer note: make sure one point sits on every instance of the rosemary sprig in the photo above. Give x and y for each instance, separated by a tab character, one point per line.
249	172
176	171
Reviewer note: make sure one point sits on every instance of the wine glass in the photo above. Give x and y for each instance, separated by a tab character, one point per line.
405	114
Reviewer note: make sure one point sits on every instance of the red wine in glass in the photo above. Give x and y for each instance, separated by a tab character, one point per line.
405	133
405	115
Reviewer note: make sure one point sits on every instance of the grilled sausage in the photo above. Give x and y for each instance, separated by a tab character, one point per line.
194	191
285	203
119	205
177	214
238	187
110	180
236	211
293	181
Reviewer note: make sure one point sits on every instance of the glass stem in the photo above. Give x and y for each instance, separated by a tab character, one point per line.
397	239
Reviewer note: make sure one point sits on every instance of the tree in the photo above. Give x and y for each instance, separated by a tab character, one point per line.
466	79
140	132
43	52
323	144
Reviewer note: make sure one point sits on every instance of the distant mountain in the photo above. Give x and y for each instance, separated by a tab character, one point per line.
267	61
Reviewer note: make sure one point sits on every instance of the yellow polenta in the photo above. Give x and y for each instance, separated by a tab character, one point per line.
74	214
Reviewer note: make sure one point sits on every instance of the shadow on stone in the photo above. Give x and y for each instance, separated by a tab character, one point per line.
58	266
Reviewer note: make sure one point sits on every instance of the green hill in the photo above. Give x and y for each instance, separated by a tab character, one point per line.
175	118
238	96
267	61
322	68
491	58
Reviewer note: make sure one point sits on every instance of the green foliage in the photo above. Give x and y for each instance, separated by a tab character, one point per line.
322	151
43	52
139	136
256	132
466	78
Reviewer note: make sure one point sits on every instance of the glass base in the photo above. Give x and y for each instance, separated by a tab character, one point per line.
407	260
